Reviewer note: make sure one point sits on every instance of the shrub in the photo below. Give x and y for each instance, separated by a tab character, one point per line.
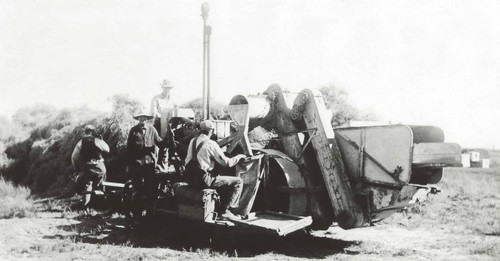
15	201
42	160
337	100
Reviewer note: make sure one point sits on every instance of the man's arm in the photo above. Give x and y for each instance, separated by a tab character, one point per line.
157	139
102	145
75	156
129	145
219	156
189	155
154	107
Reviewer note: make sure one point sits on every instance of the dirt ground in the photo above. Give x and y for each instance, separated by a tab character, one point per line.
49	236
62	235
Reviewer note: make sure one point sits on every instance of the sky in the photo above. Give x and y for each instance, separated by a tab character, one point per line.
432	62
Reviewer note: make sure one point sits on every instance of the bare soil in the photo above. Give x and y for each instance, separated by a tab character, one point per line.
447	227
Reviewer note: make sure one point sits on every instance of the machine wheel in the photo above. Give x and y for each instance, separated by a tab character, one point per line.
435	177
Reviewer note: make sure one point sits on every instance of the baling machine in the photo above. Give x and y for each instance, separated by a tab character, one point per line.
311	175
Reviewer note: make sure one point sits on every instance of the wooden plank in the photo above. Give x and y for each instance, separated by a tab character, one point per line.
275	223
318	205
113	184
349	214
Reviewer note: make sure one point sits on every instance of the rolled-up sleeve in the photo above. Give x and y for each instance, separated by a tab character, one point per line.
75	156
102	145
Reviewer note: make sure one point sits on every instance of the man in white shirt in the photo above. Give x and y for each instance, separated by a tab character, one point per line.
162	103
208	151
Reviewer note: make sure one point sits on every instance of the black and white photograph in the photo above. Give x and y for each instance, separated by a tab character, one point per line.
252	129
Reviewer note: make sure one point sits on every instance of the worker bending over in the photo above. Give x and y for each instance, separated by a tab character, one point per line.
88	162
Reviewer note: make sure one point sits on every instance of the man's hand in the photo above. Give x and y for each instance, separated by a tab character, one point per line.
74	176
240	157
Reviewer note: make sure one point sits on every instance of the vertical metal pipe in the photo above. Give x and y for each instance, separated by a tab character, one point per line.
204	103
204	15
209	32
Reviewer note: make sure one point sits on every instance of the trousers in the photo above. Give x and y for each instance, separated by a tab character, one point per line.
143	182
162	151
229	189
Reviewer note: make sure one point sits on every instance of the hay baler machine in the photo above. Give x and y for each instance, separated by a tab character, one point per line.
353	176
311	175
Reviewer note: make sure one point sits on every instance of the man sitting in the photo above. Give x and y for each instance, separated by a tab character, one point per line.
207	152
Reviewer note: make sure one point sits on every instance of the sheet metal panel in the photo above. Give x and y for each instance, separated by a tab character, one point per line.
385	149
437	153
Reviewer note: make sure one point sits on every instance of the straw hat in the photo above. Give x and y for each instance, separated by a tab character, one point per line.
143	113
167	84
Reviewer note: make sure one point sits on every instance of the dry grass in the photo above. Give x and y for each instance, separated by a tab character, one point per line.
466	213
15	201
469	203
380	250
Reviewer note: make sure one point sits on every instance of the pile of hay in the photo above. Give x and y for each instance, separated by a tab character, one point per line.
38	153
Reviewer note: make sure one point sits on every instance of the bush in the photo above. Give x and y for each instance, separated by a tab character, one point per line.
42	159
218	110
15	201
336	100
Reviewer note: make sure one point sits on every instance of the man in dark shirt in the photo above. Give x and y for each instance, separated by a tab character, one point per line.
87	159
141	158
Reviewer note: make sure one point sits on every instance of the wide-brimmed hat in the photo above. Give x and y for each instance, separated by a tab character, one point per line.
167	84
143	113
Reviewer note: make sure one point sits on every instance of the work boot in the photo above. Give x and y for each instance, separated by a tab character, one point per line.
78	206
228	215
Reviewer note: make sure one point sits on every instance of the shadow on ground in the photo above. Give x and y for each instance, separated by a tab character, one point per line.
161	232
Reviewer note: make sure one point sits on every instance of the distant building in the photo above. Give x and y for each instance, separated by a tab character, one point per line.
475	158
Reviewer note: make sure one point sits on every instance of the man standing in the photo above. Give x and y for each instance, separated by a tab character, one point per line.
141	158
162	107
207	152
87	159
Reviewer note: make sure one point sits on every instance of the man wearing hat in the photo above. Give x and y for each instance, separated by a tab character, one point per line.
207	152
162	104
87	159
141	143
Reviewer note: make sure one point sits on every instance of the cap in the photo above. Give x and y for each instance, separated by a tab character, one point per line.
207	125
89	128
167	84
